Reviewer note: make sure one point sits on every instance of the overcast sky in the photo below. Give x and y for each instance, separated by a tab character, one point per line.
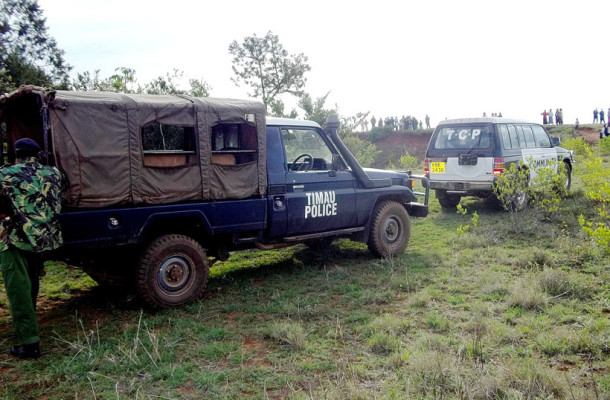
447	59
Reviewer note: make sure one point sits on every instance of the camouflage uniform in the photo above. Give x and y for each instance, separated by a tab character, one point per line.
31	194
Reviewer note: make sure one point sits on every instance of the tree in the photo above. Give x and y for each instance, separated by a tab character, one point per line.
314	110
28	55
265	66
124	81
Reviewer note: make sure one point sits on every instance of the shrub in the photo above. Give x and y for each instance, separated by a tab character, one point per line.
511	186
604	145
580	147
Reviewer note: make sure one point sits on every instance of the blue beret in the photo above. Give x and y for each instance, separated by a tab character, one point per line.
27	145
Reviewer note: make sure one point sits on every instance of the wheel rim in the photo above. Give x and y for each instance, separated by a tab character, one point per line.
174	274
391	230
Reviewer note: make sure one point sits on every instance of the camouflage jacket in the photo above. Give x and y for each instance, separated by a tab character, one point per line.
31	201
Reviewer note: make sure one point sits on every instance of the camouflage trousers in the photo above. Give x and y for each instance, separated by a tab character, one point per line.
20	270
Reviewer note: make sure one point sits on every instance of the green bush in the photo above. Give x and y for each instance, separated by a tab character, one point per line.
604	145
580	147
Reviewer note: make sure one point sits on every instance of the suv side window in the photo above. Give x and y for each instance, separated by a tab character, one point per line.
505	137
514	140
542	139
521	135
529	136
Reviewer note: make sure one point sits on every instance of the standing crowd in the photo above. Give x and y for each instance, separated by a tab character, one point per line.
599	117
548	118
395	124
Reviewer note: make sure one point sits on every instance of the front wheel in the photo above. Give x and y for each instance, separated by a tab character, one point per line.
390	229
172	271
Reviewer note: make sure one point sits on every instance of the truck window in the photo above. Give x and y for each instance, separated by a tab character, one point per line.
166	145
306	150
233	144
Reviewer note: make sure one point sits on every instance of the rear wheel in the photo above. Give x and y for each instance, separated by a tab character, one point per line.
390	229
447	200
173	271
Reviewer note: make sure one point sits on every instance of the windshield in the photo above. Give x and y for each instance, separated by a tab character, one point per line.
463	137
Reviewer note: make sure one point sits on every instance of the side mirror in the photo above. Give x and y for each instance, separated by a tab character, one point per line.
336	162
555	141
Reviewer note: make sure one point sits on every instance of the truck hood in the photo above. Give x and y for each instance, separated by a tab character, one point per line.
374	173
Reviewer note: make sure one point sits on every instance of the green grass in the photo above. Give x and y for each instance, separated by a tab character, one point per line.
516	307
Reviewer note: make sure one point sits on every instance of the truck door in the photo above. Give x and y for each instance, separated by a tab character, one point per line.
318	198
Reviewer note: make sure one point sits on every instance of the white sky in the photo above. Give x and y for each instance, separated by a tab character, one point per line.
444	58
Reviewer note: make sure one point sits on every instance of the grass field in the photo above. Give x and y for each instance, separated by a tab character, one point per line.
516	307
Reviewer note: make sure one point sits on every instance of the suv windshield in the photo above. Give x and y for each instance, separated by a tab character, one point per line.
463	137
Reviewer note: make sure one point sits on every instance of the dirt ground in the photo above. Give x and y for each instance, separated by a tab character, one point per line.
590	135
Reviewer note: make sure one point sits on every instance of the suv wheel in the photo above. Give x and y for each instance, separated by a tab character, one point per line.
173	271
447	200
390	229
568	175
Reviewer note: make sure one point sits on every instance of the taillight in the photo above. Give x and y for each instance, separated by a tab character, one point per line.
498	166
427	168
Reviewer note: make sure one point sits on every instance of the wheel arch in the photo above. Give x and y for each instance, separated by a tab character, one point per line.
189	223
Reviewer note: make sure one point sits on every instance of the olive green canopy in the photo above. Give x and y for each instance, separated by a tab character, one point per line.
96	139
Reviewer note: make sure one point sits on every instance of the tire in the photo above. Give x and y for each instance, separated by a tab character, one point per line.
173	271
390	229
447	200
568	173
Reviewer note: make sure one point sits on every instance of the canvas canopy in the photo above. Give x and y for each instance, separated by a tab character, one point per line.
114	147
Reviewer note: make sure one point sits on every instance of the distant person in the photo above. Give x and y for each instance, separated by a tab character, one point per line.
602	120
603	132
576	124
428	120
557	117
484	114
595	116
373	122
545	116
550	116
499	115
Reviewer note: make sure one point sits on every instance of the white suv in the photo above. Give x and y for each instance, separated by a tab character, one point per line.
465	156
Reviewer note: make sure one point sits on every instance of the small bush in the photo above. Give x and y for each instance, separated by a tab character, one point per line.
526	293
580	147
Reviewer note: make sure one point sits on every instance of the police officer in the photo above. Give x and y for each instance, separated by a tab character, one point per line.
30	198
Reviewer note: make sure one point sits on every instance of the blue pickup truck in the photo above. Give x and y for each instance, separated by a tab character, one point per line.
162	186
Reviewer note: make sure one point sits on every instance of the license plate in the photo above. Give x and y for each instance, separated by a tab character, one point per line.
437	167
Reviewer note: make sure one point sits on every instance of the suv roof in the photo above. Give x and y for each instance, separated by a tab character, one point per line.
492	120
